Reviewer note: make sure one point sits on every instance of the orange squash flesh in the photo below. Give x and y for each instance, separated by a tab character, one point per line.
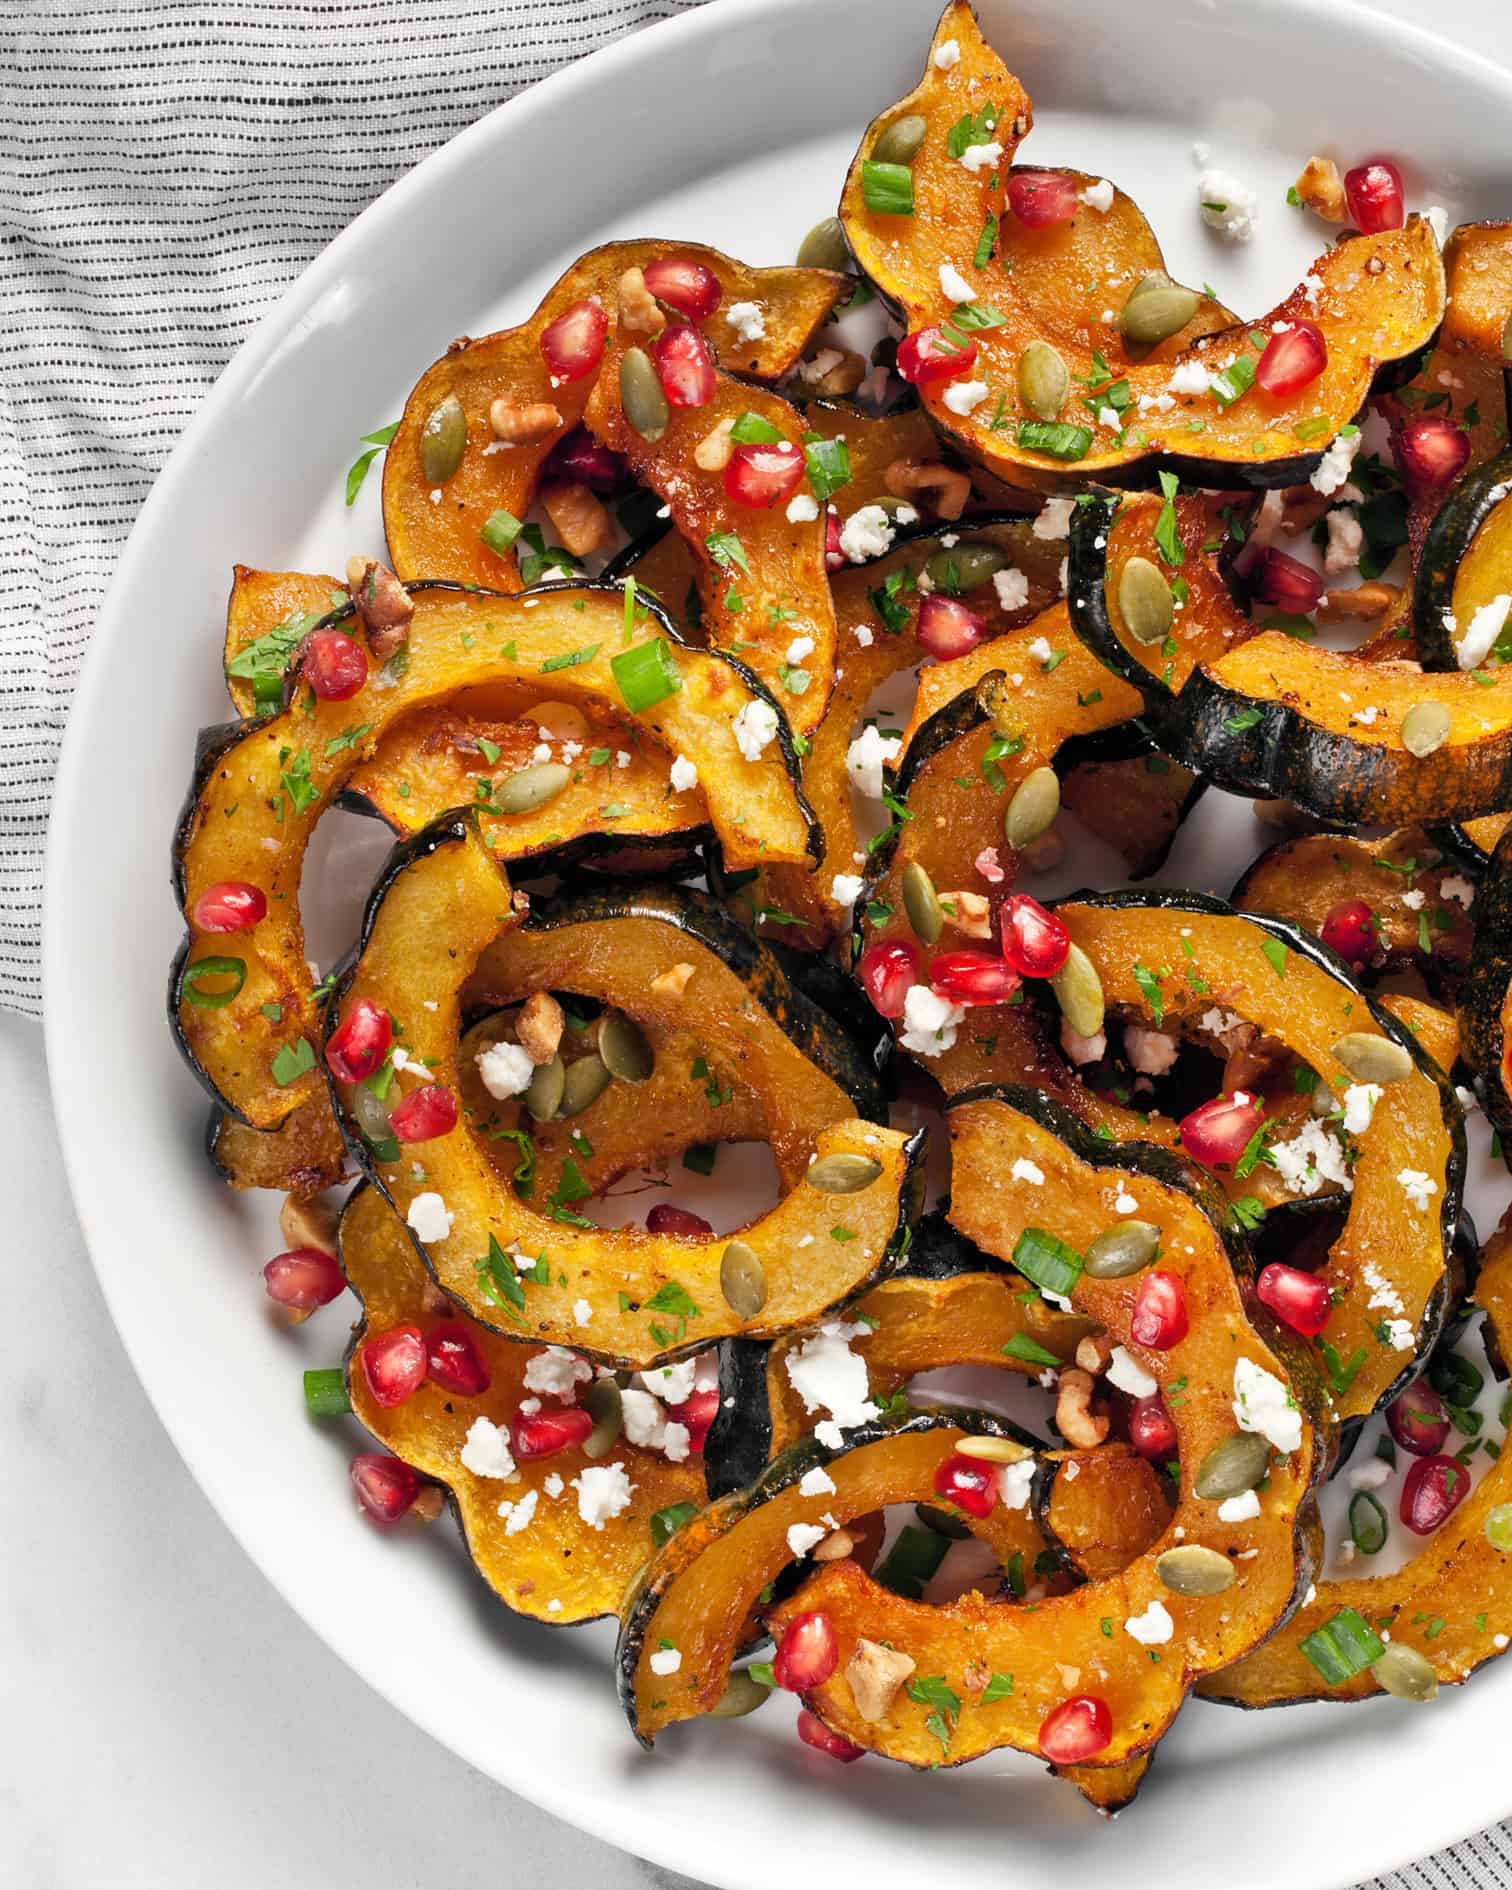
1103	1508
557	1568
441	538
303	1156
259	602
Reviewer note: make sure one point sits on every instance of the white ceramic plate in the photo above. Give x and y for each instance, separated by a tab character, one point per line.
732	125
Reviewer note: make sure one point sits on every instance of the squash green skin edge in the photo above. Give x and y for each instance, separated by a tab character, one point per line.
1483	1042
1448	538
782	1473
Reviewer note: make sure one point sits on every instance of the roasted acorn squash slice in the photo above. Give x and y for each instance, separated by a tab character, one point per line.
1466	565
260	787
268	615
1377	299
1485	1012
441	538
626	1297
303	1156
555	1567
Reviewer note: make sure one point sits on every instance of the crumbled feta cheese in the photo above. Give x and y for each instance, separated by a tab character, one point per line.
829	1376
430	1217
541	752
1263	1404
604	1491
1015	1482
1040	650
1382	1292
1218	1021
964	397
981	157
1012	588
677	1441
1126	1373
557	1373
643	1418
1151	1052
1414	898
845	889
1369	1476
517	1516
486	1452
1190	377
582	1312
1025	1170
866	756
684	775
1486	626
1227	205
1437	219
1123	1201
867	533
1152	1628
947	54
1241	1508
1346	540
1083	1049
929	1022
414	1065
953	285
754	727
803	1536
506	1070
1457	889
1110	418
664	1661
1098	196
672	1382
1310	1158
1334	468
554	1485
1417	1187
1400	1334
1360	1100
816	1482
799	648
802	509
747	319
1054	519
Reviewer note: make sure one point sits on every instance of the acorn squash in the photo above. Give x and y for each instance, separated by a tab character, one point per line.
303	1156
1377	299
267	616
1465	565
442	538
626	1297
259	788
1485	1010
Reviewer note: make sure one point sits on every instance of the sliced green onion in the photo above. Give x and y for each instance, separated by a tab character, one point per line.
203	968
1456	1380
1022	1346
1059	438
1050	1263
326	1393
646	674
1236	379
887	188
973	315
829	467
1367	1523
752	430
1343	1647
666	1522
501	530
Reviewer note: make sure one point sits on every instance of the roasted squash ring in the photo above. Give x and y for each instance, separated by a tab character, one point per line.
1466	562
625	1297
260	787
1485	1012
303	1156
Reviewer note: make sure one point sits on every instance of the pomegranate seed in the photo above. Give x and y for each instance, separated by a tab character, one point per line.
230	906
1374	194
1075	1730
760	474
544	1433
1292	360
664	1219
1035	942
886	973
578	459
1299	1300
304	1278
684	366
1285	582
360	1042
692	288
1433	1490
973	977
386	1488
393	1364
1041	198
425	1113
970	1483
1152	1431
1349	930
1160	1312
455	1362
813	1732
1215	1133
807	1654
1431	451
334	665
946	628
696	1413
834	557
1418	1420
573	345
927	357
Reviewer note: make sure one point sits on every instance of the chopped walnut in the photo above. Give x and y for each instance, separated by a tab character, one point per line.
539	1026
1078	1423
674	980
1322	189
876	1674
578	515
1360	602
1253	1058
638	310
308	1224
1094	1353
714	450
523	423
835	1547
383	605
429	1504
931	484
972	914
1302	507
835	371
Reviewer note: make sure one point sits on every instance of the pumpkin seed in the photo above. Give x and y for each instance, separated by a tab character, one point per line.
1079	993
1194	1570
1033	807
531	787
922	903
941	1522
641	394
1157	308
742	1280
1374	1059
372	1114
1145	602
1425	728
965	567
744	1693
602	1403
586	1081
899	144
442	440
544	1096
1406	1674
991	1449
1232	1467
843	1174
1044	380
624	1048
1119	1251
825	246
